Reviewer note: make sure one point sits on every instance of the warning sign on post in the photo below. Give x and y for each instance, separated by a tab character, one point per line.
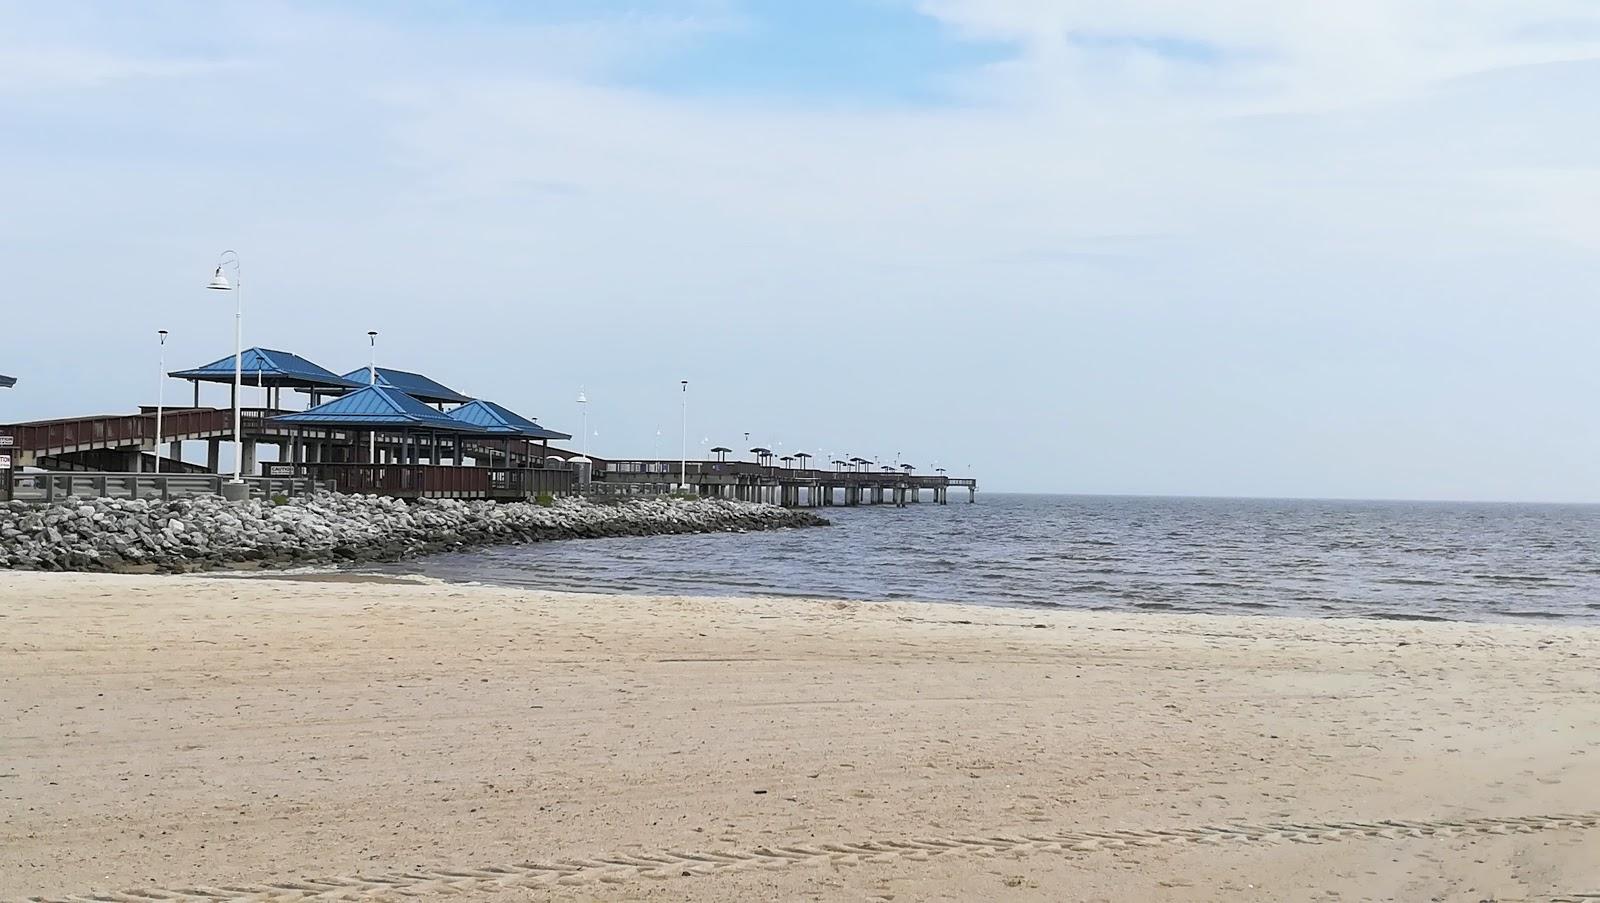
5	462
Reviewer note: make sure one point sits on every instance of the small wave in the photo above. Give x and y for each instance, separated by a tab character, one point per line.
1537	615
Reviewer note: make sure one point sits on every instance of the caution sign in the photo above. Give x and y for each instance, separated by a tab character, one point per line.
5	462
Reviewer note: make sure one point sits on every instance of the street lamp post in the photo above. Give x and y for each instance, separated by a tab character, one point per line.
161	391
372	380
683	475
583	406
219	282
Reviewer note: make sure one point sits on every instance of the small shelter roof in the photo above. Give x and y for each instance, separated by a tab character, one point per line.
378	406
502	420
414	384
267	367
7	382
721	449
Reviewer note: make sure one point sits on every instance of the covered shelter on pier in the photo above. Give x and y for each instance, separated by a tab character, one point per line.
392	420
506	425
271	371
416	385
405	442
7	382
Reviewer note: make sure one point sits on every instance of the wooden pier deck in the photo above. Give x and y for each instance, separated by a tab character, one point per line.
787	486
410	468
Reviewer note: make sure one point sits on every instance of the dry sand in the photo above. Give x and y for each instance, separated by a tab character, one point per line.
191	733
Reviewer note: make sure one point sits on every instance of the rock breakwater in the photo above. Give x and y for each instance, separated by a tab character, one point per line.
202	533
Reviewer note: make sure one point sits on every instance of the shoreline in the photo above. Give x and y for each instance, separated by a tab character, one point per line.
352	573
260	731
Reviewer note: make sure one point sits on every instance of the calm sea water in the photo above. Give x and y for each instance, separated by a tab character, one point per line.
1319	558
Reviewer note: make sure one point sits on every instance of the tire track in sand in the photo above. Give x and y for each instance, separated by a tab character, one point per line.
662	864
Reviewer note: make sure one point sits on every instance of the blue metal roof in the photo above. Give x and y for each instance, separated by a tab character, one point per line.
264	366
377	406
414	384
500	419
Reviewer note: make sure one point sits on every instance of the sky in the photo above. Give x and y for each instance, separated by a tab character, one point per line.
1245	247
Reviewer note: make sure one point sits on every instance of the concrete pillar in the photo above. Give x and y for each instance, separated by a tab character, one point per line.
214	455
175	453
249	468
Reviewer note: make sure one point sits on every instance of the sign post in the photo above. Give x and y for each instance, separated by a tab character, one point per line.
6	443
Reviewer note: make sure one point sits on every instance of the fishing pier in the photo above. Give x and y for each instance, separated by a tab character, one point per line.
396	433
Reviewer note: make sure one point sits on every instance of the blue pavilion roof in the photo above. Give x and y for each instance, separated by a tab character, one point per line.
266	367
371	406
7	382
414	384
500	419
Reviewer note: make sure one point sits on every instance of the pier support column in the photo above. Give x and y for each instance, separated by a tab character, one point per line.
214	455
249	468
175	453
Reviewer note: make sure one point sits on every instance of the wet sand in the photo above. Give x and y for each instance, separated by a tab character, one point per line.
295	738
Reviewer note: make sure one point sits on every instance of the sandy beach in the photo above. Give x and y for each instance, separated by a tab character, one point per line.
354	740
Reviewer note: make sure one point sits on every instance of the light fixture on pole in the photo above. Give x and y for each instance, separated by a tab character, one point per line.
219	283
372	380
683	475
583	406
161	391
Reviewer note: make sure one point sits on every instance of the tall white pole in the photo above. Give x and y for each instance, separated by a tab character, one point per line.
161	392
583	406
683	475
372	380
238	370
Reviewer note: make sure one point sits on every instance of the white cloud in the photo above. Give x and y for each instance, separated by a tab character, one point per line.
1274	55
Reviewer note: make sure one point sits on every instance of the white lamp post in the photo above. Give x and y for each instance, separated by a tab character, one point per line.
219	282
161	391
583	407
372	380
683	475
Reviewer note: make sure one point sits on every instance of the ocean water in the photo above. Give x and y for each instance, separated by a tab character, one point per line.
1421	560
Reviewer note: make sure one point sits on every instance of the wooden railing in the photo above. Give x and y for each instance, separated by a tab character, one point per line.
123	430
438	480
670	471
52	486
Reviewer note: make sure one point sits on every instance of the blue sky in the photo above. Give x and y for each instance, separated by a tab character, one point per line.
1259	248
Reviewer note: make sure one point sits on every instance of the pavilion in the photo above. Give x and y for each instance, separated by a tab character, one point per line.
395	423
270	370
416	385
506	424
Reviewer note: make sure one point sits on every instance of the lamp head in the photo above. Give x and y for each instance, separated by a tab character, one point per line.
219	281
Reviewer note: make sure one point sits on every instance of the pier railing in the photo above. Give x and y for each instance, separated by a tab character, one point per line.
439	480
717	471
53	486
